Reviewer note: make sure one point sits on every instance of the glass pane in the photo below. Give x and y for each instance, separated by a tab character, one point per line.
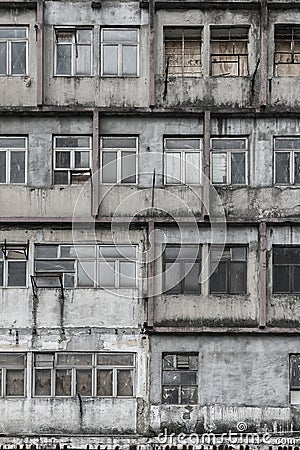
128	167
12	359
124	383
63	382
189	395
171	377
2	167
238	254
129	66
3	58
219	168
237	278
84	36
82	160
297	168
1	272
62	160
46	251
118	142
218	282
115	359
122	251
287	144
10	33
182	144
109	167
74	359
172	278
120	35
61	177
127	274
43	359
82	251
8	142
281	279
72	142
282	167
296	279
63	59
173	168
238	168
17	167
228	144
55	266
14	382
104	383
170	395
18	58
106	274
86	274
16	274
191	280
84	382
83	60
43	382
110	60
68	280
192	168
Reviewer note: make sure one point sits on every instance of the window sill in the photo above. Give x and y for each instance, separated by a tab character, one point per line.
120	76
73	76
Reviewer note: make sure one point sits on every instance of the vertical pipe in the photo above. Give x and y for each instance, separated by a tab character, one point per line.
150	275
264	53
151	53
95	165
262	275
40	56
206	163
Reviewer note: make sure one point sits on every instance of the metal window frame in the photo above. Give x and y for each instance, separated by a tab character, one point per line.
8	42
73	43
182	154
5	260
292	160
7	151
292	52
291	271
228	153
120	52
183	40
228	271
119	151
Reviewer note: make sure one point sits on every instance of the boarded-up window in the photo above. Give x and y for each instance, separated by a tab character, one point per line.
182	269
180	379
182	162
229	270
183	51
287	51
229	161
229	51
286	270
287	161
12	368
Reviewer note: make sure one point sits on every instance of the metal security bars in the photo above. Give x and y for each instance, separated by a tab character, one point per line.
13	51
229	161
287	160
72	159
229	50
180	379
183	160
287	50
73	52
182	47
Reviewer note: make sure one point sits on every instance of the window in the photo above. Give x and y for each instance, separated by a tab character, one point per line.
13	51
12	374
182	269
84	374
180	379
287	161
183	161
229	270
286	270
13	266
183	52
73	52
295	379
120	48
287	50
71	159
13	159
229	161
104	266
229	51
118	159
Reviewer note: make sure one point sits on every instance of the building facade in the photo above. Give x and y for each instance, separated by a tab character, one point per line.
149	226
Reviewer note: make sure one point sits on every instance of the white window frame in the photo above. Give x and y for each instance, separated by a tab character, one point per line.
228	153
7	151
182	154
3	369
6	262
291	152
9	41
93	368
120	52
73	44
119	152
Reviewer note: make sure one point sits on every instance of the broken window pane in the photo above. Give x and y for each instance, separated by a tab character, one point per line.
18	58
189	395
170	395
124	383
16	274
42	382
104	383
229	52
63	382
183	51
14	382
282	167
84	382
17	167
